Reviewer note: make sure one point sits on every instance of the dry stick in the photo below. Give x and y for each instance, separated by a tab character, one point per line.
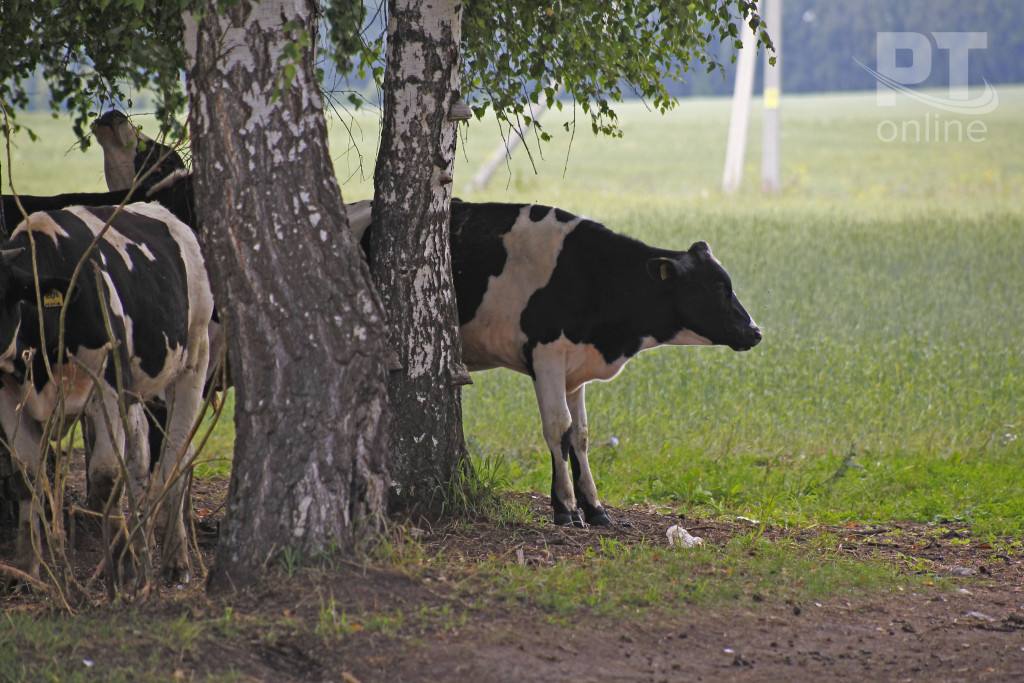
56	430
106	517
42	483
54	531
52	588
10	178
108	558
32	581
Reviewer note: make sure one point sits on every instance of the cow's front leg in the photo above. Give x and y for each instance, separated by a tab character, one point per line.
24	437
549	386
582	479
105	444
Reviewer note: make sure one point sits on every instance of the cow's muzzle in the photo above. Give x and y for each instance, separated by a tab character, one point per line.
750	337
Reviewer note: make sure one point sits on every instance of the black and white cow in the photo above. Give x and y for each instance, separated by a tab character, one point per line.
174	192
155	297
566	301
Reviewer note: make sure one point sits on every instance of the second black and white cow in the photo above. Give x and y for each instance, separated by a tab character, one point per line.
567	301
129	157
144	280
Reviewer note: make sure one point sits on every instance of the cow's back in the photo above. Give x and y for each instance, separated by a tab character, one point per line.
529	274
501	255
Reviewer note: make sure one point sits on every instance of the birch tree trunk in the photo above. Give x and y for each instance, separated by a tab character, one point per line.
410	256
304	329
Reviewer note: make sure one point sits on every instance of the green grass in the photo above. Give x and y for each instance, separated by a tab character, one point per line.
887	277
99	646
652	579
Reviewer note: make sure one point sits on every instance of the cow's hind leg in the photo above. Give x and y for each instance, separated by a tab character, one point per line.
582	478
549	386
115	448
183	397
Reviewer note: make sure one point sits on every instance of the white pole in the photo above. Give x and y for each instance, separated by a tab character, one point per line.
770	152
737	144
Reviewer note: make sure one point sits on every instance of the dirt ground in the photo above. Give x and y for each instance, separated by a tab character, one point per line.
974	632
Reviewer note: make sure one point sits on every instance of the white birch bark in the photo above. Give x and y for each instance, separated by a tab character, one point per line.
303	327
410	256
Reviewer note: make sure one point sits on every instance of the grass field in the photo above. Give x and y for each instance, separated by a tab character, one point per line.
888	278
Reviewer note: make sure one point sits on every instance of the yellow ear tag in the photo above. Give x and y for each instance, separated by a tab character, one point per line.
53	299
664	271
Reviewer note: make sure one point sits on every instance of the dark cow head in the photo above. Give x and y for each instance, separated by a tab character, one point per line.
128	155
18	303
702	296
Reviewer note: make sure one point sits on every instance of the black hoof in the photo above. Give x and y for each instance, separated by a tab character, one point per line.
572	517
599	518
12	587
562	518
178	577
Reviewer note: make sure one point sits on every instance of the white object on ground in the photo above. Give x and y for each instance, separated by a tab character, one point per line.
678	535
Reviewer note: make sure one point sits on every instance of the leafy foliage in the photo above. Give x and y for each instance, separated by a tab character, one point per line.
597	51
93	54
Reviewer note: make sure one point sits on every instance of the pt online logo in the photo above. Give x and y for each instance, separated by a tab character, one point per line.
904	59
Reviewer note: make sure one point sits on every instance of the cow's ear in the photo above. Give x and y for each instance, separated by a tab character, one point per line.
55	291
662	269
21	280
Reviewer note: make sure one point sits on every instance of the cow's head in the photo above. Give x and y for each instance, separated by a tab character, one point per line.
18	304
702	297
113	129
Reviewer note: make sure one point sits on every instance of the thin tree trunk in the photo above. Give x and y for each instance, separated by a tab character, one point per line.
304	329
410	256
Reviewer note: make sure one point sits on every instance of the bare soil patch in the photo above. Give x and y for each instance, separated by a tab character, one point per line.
972	631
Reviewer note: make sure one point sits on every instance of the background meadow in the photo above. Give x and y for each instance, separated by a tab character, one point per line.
887	277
